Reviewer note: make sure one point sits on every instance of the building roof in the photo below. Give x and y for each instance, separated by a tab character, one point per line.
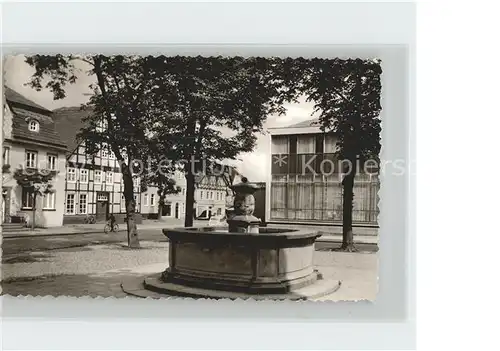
24	110
13	96
229	173
314	122
69	122
310	126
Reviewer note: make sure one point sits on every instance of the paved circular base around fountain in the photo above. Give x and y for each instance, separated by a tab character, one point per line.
154	287
211	262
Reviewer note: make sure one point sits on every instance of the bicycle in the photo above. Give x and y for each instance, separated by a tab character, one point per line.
107	228
89	220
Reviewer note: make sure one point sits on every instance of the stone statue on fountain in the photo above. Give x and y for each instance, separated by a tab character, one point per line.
241	218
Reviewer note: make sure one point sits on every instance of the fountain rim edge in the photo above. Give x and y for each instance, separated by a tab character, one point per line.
289	234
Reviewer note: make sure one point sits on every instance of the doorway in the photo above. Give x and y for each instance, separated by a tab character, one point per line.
166	210
102	206
5	205
177	210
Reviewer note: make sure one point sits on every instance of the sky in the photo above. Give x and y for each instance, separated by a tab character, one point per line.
255	165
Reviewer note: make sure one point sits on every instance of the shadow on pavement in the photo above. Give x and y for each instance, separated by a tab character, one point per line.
75	285
27	258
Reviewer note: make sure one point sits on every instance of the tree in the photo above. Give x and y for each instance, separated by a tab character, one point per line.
166	187
160	164
210	108
122	109
161	176
37	183
214	106
347	96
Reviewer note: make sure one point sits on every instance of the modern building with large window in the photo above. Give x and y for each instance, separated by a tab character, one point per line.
305	184
31	142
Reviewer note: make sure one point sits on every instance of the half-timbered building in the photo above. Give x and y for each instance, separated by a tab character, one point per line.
210	196
94	184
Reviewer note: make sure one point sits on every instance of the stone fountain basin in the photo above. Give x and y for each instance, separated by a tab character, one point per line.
274	261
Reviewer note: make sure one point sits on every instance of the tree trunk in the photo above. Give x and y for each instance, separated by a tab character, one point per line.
347	206
189	171
352	150
190	189
132	237
160	210
161	202
34	212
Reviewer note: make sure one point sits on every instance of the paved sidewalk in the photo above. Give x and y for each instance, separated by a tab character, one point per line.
70	229
331	229
362	235
100	270
329	234
358	239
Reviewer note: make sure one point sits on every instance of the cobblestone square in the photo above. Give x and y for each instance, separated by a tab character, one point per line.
99	270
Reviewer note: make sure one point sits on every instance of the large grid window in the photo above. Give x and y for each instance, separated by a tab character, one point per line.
84	175
306	144
109	178
97	176
279	144
71	176
70	204
52	162
83	204
27	198
49	201
308	198
31	159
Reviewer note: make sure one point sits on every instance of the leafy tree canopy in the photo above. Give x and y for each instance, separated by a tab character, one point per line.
346	94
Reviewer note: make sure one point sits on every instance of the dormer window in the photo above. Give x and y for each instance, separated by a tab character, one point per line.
33	126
